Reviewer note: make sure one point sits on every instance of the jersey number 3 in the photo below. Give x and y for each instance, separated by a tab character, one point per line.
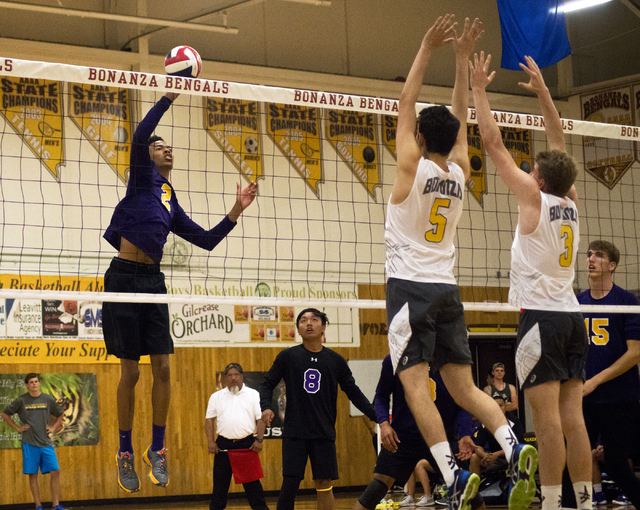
566	233
312	380
439	221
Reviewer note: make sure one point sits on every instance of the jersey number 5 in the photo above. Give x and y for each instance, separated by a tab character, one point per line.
312	380
439	222
566	233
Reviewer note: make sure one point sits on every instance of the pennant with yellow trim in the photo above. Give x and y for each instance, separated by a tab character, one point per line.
295	130
103	115
33	108
234	124
636	96
477	183
389	127
354	137
608	160
518	143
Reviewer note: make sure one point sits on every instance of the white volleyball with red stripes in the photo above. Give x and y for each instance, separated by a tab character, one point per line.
183	61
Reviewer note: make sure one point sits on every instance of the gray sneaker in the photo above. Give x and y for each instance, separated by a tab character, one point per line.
158	462
127	477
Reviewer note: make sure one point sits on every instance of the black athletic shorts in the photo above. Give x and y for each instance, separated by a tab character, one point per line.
132	330
321	453
426	323
552	346
401	464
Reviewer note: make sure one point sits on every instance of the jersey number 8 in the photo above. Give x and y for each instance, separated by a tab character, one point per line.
312	380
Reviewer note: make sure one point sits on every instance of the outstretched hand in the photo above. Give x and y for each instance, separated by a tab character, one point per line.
244	198
536	81
479	71
471	34
442	32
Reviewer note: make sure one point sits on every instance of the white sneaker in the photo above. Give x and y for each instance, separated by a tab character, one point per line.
407	501
426	501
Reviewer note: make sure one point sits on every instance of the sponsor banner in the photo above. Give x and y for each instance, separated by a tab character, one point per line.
33	108
103	115
354	137
295	130
210	324
76	394
518	143
55	351
51	282
234	124
278	399
636	108
477	183
59	318
389	128
608	160
306	98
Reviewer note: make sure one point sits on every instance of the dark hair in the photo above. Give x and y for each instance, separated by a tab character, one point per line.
316	313
31	376
439	127
155	138
609	248
231	366
558	170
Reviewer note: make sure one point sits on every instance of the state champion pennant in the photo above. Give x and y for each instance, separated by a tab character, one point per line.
477	183
103	115
536	28
606	159
518	142
33	108
389	128
354	137
234	124
295	130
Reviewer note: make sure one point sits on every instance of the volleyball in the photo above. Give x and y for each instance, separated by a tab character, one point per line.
183	61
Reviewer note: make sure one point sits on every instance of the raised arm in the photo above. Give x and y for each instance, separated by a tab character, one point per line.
407	147
521	184
552	123
460	100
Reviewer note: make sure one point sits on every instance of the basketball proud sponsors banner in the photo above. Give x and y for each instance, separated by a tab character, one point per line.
354	137
33	108
234	124
518	142
103	115
250	325
389	128
295	130
75	393
608	160
477	183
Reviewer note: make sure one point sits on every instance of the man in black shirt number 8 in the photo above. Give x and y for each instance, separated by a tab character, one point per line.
311	373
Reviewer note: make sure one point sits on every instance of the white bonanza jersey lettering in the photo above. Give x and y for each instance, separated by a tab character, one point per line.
542	263
419	232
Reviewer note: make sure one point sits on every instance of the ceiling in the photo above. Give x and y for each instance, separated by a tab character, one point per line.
360	38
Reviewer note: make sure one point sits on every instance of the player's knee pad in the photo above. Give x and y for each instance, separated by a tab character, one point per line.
287	497
372	495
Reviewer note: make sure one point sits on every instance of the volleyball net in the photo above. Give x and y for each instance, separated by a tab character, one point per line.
324	163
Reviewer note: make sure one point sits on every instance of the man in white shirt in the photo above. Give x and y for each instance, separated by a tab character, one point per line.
235	413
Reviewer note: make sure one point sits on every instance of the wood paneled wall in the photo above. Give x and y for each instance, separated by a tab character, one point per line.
89	473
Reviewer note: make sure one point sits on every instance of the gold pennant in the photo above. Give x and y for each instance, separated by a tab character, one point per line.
608	160
33	108
477	183
103	115
234	124
389	128
354	137
295	130
518	142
